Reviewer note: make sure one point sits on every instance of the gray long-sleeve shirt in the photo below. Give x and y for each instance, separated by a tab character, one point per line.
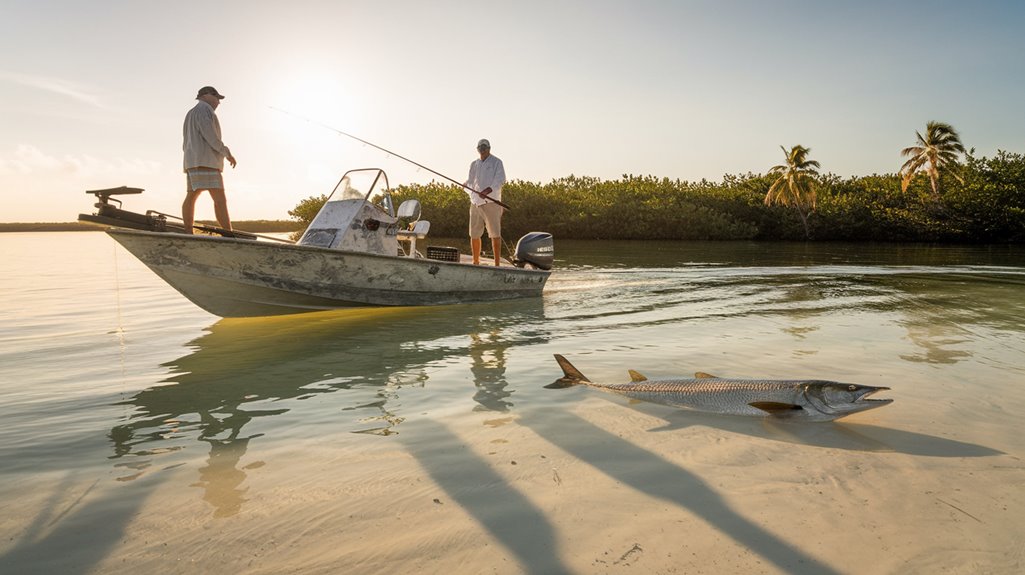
202	139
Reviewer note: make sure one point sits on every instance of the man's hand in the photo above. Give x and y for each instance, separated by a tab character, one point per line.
231	160
485	191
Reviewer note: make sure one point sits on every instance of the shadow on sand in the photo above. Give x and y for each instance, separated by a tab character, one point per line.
479	490
846	434
76	539
652	475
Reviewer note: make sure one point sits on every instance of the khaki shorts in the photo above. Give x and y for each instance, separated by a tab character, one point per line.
203	179
487	216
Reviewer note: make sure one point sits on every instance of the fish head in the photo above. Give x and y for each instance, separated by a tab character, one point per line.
834	399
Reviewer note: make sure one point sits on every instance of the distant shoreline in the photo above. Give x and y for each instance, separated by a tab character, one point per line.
256	226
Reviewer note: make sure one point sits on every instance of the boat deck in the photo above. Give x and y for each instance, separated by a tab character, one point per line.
484	261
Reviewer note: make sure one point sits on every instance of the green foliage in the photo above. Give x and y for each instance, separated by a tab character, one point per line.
634	207
989	206
305	211
445	205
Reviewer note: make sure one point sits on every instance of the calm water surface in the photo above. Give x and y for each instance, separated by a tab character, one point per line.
113	387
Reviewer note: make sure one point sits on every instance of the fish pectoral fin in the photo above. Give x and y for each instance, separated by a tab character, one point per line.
703	375
635	376
775	407
562	382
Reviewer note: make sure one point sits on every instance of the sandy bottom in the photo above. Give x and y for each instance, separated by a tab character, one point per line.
604	487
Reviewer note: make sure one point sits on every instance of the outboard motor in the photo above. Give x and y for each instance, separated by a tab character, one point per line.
536	249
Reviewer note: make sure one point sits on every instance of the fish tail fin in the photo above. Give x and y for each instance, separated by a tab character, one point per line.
571	375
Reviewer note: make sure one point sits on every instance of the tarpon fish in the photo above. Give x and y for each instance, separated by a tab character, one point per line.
808	400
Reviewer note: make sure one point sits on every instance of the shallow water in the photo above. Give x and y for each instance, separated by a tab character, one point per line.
141	433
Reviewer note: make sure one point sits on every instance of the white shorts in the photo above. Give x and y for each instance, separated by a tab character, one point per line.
487	216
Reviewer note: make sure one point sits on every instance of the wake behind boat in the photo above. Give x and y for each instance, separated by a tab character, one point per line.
358	251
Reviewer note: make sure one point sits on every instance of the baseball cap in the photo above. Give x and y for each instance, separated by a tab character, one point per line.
483	144
209	90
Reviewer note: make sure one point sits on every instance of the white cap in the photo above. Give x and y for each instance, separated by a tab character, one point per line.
484	144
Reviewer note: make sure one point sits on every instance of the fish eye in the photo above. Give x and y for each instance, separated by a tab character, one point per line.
852	387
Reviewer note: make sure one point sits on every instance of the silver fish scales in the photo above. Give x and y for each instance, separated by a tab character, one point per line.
811	400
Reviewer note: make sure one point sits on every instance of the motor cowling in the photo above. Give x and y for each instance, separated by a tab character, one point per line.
536	249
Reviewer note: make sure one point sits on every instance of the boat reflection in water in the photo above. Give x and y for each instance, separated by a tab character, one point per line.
249	369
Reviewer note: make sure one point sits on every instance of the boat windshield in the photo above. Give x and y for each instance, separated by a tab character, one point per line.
370	184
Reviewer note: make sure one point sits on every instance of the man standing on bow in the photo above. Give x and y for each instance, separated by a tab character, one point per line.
204	158
487	175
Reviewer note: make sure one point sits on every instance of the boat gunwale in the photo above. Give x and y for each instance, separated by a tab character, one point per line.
217	239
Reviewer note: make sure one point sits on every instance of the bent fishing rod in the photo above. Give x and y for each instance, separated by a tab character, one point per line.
371	144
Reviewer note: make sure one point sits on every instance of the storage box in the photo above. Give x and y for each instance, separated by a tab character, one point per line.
443	253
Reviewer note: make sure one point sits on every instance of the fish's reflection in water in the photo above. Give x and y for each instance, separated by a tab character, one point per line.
247	369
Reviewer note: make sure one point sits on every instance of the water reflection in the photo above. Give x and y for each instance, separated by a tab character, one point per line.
948	312
936	343
221	479
653	254
250	369
487	352
353	366
944	310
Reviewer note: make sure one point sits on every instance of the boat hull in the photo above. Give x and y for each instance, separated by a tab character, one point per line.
242	278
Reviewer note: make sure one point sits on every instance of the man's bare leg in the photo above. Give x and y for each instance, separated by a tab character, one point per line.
221	207
189	209
496	246
475	244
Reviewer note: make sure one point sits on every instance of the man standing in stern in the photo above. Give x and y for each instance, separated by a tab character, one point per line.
204	158
487	175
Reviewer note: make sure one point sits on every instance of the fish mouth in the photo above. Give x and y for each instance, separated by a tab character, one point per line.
866	402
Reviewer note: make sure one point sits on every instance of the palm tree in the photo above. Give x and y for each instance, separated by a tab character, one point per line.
795	186
937	151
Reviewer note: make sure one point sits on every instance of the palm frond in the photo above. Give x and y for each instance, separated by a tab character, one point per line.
795	185
939	150
912	151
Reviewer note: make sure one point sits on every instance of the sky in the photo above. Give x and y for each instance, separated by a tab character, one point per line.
93	94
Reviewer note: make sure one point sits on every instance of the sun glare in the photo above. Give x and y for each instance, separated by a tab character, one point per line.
311	104
306	104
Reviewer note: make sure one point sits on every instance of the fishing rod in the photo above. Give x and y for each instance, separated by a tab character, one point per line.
417	164
233	233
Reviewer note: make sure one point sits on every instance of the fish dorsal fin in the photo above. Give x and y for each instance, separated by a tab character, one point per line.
703	375
571	375
775	407
636	376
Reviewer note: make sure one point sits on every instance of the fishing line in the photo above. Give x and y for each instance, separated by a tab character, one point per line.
117	306
390	153
120	331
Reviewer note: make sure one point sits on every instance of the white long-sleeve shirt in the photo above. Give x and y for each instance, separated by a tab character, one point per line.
202	139
484	174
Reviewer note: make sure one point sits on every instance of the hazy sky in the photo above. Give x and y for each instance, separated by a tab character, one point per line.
93	93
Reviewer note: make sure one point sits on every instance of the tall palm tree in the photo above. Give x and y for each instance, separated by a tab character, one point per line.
795	186
937	151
